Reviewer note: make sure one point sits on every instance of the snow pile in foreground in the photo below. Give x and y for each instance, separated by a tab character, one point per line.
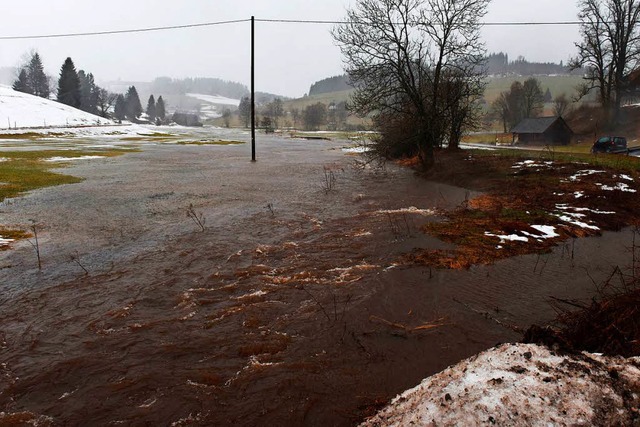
22	110
522	384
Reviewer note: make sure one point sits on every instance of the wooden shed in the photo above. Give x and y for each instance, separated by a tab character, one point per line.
542	131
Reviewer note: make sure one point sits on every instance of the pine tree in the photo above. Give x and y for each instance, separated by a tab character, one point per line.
38	80
151	108
69	84
133	105
244	110
120	109
88	92
22	84
160	108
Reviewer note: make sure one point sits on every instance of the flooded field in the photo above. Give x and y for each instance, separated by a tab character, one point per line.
288	306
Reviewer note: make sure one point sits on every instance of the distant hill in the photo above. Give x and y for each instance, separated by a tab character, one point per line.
203	85
329	85
22	110
499	64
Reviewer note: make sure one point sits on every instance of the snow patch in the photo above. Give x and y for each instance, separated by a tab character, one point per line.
508	238
621	186
410	210
5	242
22	110
68	159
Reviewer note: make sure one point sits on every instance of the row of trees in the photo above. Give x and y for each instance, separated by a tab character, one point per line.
128	106
79	90
312	117
75	88
526	100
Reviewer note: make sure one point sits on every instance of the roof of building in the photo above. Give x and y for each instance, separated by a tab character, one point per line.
535	125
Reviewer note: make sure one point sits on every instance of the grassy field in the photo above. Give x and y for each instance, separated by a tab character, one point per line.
557	85
23	171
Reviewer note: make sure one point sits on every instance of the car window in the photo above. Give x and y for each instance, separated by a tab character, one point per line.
603	140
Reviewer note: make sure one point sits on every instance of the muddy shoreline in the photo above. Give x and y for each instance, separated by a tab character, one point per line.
293	314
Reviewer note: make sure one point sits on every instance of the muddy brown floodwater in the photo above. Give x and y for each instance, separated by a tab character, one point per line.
288	309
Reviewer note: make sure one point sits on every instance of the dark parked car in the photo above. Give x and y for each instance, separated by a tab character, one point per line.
610	144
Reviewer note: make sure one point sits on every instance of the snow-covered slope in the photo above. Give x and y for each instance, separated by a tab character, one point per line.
521	384
22	110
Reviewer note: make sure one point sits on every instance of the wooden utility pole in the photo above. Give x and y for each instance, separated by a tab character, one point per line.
253	93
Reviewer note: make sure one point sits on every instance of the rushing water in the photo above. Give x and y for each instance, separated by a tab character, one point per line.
289	308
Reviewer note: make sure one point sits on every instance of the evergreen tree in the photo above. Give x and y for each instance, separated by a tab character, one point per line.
133	105
151	108
160	108
69	84
120	109
244	109
22	84
88	92
38	80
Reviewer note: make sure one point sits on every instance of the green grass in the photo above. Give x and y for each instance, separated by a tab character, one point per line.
571	154
556	84
27	170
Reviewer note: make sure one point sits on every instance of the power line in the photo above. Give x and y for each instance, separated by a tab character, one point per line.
136	30
485	24
276	21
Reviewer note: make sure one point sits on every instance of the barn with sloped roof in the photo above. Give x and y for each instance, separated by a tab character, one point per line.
542	131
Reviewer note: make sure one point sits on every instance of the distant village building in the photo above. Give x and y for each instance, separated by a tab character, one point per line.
187	119
542	131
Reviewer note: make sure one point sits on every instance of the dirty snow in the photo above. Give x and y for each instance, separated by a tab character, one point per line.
357	149
532	164
22	110
621	186
506	238
409	210
5	242
67	159
548	232
520	384
583	173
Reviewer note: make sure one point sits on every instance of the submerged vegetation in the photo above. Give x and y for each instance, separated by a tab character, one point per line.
529	206
23	171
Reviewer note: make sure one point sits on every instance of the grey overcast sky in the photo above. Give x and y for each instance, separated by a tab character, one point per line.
289	57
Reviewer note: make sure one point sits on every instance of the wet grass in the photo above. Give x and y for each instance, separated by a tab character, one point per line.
23	171
32	136
514	199
569	154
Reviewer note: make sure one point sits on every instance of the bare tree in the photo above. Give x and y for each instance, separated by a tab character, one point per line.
609	49
226	117
561	104
500	108
402	56
105	100
532	98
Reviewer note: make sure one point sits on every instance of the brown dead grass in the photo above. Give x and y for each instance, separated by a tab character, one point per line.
516	198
